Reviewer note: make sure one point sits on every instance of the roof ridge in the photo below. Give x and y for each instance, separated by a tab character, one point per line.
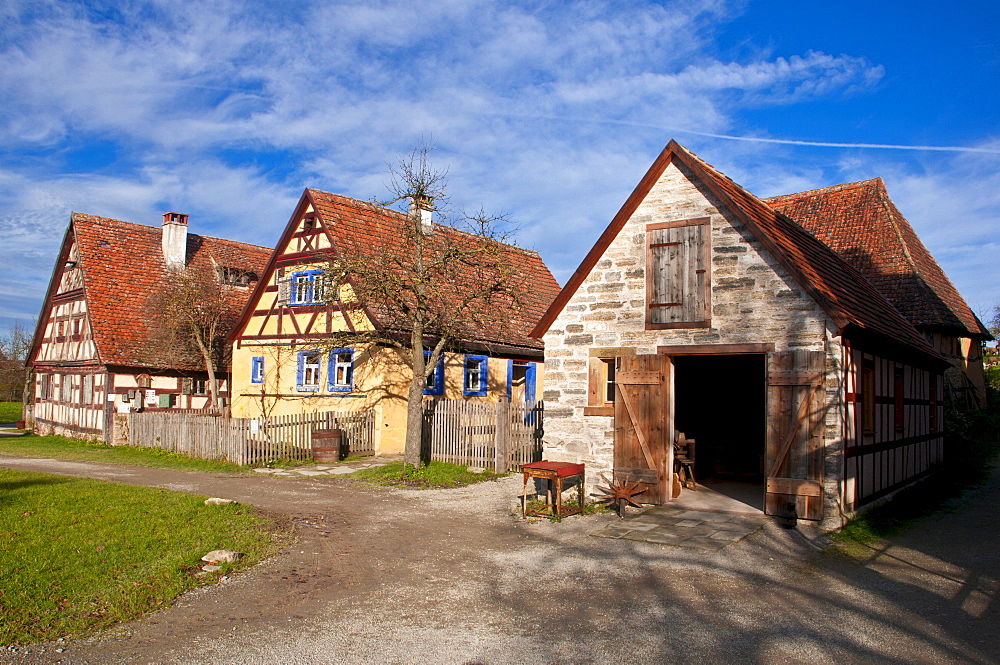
75	217
820	191
377	207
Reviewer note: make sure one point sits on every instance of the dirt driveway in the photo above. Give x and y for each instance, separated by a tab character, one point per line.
394	576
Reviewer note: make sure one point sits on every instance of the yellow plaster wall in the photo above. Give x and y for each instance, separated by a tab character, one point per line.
381	382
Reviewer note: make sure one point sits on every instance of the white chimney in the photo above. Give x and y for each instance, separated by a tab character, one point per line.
175	232
421	210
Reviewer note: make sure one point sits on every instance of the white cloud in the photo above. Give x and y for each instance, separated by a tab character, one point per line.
515	94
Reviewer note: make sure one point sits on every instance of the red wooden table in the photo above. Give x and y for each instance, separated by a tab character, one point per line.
557	471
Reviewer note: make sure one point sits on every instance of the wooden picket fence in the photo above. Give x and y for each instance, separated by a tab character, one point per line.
248	440
491	435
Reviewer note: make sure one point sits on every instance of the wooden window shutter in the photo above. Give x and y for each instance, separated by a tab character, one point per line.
187	386
678	275
284	290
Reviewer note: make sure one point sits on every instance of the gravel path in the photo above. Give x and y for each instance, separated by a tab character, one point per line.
449	576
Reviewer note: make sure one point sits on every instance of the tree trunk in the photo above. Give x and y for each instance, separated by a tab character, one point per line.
213	383
415	400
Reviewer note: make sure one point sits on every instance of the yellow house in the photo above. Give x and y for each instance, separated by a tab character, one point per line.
301	344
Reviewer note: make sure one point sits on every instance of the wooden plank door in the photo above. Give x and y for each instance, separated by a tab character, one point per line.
794	455
642	425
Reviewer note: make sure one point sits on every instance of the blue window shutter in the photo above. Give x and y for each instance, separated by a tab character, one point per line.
300	370
510	379
438	387
529	383
257	370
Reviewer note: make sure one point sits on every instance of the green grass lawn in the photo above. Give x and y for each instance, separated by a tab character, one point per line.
433	475
60	447
10	412
77	554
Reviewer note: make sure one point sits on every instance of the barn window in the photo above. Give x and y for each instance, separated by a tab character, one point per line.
257	369
307	373
601	387
678	280
474	382
341	372
434	383
306	288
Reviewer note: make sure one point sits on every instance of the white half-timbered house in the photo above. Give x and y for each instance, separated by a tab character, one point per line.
92	352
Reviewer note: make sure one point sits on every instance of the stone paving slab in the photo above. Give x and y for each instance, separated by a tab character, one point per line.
703	530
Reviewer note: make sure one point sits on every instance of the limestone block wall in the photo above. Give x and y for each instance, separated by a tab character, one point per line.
753	300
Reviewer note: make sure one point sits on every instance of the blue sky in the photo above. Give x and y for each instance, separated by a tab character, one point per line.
548	111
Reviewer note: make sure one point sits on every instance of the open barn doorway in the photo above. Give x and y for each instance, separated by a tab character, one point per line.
720	402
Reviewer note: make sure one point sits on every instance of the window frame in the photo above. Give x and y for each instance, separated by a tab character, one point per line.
703	317
601	378
483	371
333	363
301	370
257	369
434	382
313	287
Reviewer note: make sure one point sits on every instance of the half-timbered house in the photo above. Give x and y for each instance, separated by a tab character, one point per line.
862	224
92	352
294	346
703	310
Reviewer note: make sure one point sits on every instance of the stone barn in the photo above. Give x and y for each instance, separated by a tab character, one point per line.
702	310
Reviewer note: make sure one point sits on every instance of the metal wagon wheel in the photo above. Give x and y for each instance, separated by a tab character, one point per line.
619	493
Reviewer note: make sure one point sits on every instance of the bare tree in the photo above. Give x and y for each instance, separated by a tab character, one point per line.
15	377
190	318
426	289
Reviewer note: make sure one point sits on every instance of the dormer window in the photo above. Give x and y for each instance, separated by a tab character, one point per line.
236	276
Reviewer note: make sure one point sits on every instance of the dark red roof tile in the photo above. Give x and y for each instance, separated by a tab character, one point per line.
123	269
861	223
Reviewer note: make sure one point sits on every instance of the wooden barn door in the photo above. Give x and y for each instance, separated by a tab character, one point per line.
794	456
642	425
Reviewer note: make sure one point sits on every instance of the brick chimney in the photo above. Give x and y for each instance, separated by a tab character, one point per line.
422	211
175	231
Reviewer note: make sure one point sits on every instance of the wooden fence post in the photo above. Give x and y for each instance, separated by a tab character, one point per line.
502	440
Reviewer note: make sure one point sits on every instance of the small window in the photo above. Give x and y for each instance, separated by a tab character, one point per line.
434	383
307	374
341	372
601	387
87	394
308	224
307	288
257	369
898	395
200	386
868	396
475	376
236	276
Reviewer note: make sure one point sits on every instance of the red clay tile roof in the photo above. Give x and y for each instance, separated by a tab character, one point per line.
843	292
861	223
365	230
361	228
123	269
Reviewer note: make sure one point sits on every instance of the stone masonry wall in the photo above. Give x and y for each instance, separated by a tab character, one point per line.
753	300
